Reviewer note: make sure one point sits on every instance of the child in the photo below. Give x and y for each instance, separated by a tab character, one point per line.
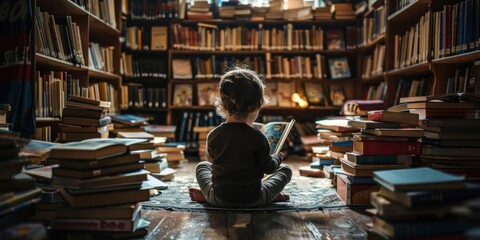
238	154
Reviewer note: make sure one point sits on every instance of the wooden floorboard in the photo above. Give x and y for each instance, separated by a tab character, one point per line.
288	225
240	226
359	217
155	218
332	224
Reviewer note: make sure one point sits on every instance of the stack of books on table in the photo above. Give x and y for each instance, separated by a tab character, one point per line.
18	193
451	141
417	203
128	123
384	143
202	141
102	183
84	118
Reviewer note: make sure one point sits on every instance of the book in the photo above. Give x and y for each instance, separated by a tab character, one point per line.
276	133
396	117
96	172
129	119
182	69
420	228
125	211
165	175
444	105
120	179
182	95
89	101
336	95
354	194
136	135
366	170
285	91
206	93
311	172
337	125
87	121
418	179
372	124
339	68
91	149
387	148
158	39
367	137
450	151
91	164
111	225
105	198
395	132
378	159
315	93
82	113
361	107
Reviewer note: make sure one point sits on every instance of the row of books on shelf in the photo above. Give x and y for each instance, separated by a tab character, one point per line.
280	94
456	29
271	67
373	27
145	38
413	87
376	92
465	80
132	66
152	10
58	37
412	47
373	64
101	58
288	37
189	120
104	9
140	96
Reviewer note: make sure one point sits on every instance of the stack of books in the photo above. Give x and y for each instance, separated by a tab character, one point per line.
202	133
102	183
322	13
175	155
128	123
200	10
166	131
259	13
275	11
18	193
84	118
343	11
451	141
227	10
296	10
384	143
416	203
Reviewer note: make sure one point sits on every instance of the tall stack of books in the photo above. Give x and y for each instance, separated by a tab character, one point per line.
18	193
102	183
384	143
200	10
343	11
202	133
84	118
451	141
416	203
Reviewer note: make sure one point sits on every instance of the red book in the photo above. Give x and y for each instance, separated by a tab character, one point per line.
354	194
387	148
396	117
311	172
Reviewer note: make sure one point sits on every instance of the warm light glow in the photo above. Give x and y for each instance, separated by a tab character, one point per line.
301	102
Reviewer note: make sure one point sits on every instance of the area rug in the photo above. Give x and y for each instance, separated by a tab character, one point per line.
306	194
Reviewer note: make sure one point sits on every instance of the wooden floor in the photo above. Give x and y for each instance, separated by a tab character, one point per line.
328	224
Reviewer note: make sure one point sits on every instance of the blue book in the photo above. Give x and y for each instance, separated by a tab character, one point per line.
348	143
418	179
129	119
378	159
323	162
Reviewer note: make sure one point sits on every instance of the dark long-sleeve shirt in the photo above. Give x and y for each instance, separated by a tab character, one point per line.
240	155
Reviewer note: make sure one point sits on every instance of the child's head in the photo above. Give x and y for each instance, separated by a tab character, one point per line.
241	92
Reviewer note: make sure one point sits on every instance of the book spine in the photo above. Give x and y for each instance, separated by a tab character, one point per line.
110	225
387	148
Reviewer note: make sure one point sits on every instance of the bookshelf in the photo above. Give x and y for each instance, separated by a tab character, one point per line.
75	50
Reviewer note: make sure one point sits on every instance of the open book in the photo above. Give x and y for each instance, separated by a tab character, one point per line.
276	133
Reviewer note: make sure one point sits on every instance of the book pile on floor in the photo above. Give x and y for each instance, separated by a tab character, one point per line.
175	155
18	193
102	183
202	141
417	203
319	160
384	143
451	141
166	131
337	135
84	118
128	123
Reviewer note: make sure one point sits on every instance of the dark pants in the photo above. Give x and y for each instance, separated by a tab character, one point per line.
271	187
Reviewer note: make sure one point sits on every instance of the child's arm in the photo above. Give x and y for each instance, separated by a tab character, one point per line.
268	163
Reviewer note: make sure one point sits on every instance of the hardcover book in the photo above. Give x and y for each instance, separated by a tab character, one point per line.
387	148
206	93
89	149
285	92
337	95
182	69
182	95
276	133
315	93
339	68
159	38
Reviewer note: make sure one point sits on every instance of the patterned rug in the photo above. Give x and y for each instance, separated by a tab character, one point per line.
306	194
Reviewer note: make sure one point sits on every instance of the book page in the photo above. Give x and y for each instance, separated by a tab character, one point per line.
276	133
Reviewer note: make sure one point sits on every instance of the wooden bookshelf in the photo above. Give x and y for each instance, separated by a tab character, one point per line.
459	58
420	68
407	13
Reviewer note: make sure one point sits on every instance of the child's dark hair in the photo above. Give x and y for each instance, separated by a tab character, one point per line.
241	92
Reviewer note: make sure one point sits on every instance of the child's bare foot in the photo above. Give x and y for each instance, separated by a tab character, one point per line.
282	197
196	195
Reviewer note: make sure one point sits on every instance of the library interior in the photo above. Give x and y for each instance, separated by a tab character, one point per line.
346	119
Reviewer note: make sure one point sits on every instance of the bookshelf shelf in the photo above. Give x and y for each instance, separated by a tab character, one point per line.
420	68
372	44
260	52
187	108
459	58
44	61
249	22
145	52
148	109
374	79
99	26
61	7
94	73
408	13
143	80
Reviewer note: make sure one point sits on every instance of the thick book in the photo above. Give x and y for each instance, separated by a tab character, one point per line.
444	105
372	124
89	101
432	113
337	125
90	149
354	194
110	225
129	119
378	159
101	163
447	97
66	128
74	136
125	211
474	136
387	148
276	133
311	172
366	170
102	182
83	113
449	151
96	172
395	132
435	197
418	179
396	117
369	137
87	121
138	135
105	198
452	123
